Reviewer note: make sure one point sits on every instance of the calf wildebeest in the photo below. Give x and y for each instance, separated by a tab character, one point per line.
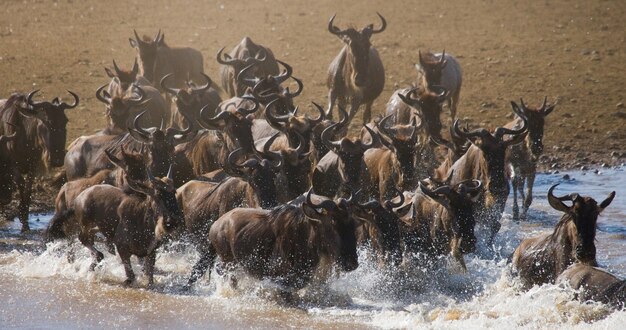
541	259
285	244
443	220
191	99
156	59
441	70
131	166
339	172
523	157
135	223
244	54
39	141
356	76
594	284
122	80
121	109
485	161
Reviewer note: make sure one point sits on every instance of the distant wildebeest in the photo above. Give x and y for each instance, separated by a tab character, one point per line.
156	59
122	80
594	284
135	223
191	99
523	157
441	70
39	141
339	172
356	76
541	259
244	54
285	244
485	161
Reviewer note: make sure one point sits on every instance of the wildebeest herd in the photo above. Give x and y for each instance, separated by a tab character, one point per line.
238	172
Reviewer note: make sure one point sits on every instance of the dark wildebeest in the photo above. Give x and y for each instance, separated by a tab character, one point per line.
7	172
339	172
594	284
131	166
286	244
441	70
485	161
40	134
244	54
457	147
444	220
251	184
356	76
156	59
541	259
191	99
121	109
136	223
523	157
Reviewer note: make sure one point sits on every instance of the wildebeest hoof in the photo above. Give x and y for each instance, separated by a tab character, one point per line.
128	283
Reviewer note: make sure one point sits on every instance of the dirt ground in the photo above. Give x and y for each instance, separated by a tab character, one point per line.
572	51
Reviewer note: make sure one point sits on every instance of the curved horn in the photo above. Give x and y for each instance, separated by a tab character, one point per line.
35	105
443	57
185	134
224	61
211	123
245	111
104	98
65	106
390	204
297	92
326	136
273	119
117	68
477	186
333	29
462	133
557	202
321	117
382	126
383	26
142	132
375	139
501	131
231	167
170	172
344	117
163	83
270	155
242	79
285	75
204	87
258	58
327	204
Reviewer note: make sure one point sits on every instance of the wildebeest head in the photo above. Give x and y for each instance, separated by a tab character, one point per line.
6	171
164	205
340	215
52	115
118	108
536	120
293	124
161	142
459	202
147	53
493	145
236	122
432	66
340	130
584	213
252	57
359	47
350	152
429	103
268	89
259	171
403	142
387	222
124	78
190	99
132	164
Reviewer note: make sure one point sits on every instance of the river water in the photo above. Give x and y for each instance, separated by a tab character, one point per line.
40	288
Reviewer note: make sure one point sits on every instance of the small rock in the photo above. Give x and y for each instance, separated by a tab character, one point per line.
605	165
585	52
620	105
566	177
567	115
555	172
596	171
584	168
604	28
620	114
555	165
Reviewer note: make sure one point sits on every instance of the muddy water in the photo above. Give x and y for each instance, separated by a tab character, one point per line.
41	289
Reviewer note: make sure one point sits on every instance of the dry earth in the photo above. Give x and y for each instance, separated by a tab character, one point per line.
572	51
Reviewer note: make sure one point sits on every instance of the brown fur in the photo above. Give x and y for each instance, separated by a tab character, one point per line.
594	284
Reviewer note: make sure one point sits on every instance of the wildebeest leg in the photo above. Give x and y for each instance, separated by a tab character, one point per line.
128	268
355	103
367	113
332	98
453	102
207	259
515	183
530	181
88	240
26	189
149	267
